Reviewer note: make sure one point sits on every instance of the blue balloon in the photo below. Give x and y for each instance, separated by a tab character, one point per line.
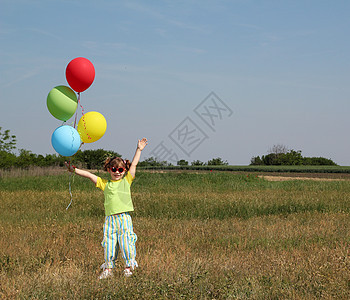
66	140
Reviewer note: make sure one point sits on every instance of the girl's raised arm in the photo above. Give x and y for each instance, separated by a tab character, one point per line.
140	146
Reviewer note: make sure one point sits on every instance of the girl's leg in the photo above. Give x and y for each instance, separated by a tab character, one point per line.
110	241
127	239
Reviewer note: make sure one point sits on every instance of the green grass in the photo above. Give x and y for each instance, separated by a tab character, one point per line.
211	235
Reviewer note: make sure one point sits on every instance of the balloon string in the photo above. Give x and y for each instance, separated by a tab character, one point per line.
70	190
70	175
82	112
82	108
75	121
70	179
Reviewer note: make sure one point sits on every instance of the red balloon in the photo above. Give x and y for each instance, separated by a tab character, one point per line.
80	74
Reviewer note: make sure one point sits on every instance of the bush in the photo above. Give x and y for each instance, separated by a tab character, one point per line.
217	162
318	161
153	162
182	162
197	163
290	158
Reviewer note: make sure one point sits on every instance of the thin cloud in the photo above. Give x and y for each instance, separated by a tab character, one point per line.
45	33
101	49
192	50
21	78
165	18
250	26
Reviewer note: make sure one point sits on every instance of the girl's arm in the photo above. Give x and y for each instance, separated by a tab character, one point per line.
140	146
81	173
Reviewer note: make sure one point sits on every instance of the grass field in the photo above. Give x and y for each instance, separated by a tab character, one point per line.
211	235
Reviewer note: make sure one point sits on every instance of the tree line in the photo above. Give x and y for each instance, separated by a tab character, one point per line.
94	159
89	159
153	162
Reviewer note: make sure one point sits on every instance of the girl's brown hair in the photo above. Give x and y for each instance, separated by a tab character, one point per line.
116	162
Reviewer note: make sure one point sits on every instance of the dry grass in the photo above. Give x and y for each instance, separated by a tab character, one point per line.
49	253
31	171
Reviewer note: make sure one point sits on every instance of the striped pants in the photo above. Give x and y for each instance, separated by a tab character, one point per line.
118	231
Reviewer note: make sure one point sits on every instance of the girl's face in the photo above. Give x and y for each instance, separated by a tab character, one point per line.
117	173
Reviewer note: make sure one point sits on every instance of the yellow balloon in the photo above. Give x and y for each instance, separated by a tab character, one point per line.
92	126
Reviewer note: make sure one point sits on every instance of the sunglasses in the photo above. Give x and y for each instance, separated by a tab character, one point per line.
120	169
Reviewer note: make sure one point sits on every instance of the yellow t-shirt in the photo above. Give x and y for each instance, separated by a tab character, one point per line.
117	194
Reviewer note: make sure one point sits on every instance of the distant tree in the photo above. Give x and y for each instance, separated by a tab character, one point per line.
217	162
7	160
278	149
7	141
182	162
93	159
270	159
153	162
25	159
291	158
256	161
197	163
53	160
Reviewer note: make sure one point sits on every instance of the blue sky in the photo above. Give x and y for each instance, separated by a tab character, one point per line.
279	68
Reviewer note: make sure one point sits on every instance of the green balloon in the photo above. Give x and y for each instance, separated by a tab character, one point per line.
62	102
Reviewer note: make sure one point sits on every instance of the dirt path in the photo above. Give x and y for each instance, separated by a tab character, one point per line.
286	178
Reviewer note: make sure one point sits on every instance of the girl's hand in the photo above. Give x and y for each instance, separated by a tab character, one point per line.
142	144
70	167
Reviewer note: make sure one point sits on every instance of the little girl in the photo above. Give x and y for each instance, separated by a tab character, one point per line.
118	228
